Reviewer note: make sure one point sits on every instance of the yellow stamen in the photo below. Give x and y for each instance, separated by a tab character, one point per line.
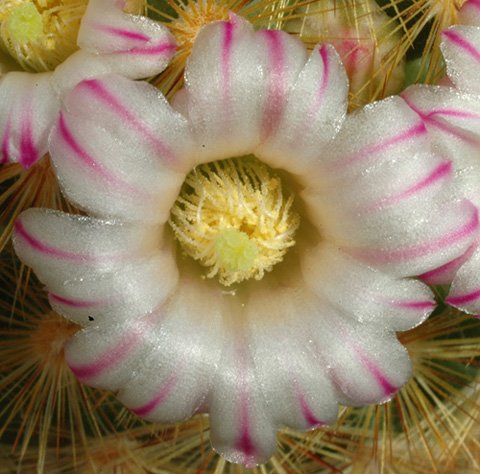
232	216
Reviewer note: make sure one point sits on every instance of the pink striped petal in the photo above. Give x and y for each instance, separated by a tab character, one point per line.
465	290
297	390
461	50
29	108
131	45
237	82
95	297
393	190
365	294
453	122
314	112
176	377
92	267
107	355
366	364
241	430
133	172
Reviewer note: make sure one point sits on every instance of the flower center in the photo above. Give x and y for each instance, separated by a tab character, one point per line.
234	217
40	34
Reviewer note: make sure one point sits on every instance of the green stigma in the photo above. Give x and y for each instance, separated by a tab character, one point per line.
25	23
235	251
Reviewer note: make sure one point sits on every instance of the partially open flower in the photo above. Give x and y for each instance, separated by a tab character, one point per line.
246	251
452	116
110	40
366	38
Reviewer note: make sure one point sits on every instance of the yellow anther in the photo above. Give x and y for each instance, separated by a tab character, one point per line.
232	216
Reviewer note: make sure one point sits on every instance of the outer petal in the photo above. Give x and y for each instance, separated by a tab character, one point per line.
131	45
29	109
453	121
314	112
465	290
95	268
241	428
461	50
237	83
297	390
393	210
132	171
177	375
366	364
108	355
367	295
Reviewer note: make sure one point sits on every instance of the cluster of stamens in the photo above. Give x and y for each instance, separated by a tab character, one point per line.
232	217
40	34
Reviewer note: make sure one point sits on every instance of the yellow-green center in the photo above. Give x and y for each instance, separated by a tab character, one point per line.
233	217
25	23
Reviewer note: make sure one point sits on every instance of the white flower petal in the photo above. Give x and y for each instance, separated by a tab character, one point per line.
29	109
134	46
392	190
108	355
363	293
137	288
134	171
296	388
453	121
237	82
176	377
241	428
461	50
314	112
95	268
465	290
366	364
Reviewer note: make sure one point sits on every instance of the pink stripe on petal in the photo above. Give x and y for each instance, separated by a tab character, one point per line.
91	162
453	113
464	135
415	305
29	153
122	33
106	97
6	143
323	51
227	51
225	65
436	276
463	299
380	378
73	302
447	127
275	101
305	408
113	357
462	43
153	50
442	171
244	442
412	132
49	250
388	256
161	396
